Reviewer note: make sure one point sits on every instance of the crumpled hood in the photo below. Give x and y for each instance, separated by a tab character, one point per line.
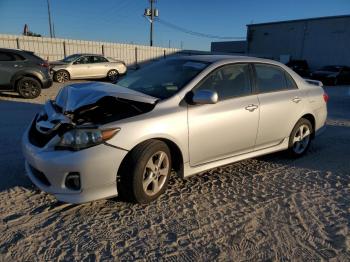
75	96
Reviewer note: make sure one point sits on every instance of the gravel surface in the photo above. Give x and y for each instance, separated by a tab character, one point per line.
267	208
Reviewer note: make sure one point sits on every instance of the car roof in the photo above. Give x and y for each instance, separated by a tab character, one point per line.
14	50
82	54
228	58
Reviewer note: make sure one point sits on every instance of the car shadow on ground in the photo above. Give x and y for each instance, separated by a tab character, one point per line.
14	119
9	94
326	152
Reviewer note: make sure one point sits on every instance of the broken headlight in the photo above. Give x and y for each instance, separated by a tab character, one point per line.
78	139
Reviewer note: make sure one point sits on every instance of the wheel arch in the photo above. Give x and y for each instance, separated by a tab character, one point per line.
19	76
63	69
175	151
312	120
112	69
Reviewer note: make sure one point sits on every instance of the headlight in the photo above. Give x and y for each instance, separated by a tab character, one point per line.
78	139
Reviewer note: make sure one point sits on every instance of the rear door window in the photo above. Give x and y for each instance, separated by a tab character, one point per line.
99	59
270	78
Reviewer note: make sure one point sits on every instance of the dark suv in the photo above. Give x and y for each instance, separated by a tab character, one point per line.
301	67
23	72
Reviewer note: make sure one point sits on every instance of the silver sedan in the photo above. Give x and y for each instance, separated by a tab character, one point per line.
185	114
87	66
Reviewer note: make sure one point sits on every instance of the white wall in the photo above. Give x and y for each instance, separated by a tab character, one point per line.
53	48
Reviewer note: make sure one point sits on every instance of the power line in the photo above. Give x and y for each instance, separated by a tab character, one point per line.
194	33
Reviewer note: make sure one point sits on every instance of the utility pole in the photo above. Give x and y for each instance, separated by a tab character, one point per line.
150	14
49	12
152	20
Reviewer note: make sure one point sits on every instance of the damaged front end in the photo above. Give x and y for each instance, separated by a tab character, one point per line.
78	111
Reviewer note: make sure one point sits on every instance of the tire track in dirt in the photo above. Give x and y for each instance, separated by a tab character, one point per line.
253	210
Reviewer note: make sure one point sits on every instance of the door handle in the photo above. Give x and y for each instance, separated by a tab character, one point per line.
251	107
296	99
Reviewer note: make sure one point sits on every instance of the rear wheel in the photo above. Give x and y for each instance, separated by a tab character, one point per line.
300	138
28	87
145	173
61	76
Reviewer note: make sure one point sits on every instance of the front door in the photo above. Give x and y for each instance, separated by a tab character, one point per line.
81	67
229	127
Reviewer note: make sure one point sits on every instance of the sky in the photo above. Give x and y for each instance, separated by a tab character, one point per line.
122	20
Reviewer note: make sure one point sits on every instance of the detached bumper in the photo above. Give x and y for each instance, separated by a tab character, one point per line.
97	166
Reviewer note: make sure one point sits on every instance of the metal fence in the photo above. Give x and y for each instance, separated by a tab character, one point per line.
55	48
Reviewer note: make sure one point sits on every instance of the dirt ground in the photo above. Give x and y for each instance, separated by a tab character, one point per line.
267	208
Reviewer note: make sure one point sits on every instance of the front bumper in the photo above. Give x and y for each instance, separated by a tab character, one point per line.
97	166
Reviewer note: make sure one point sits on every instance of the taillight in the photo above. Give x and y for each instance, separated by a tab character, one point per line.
325	97
45	64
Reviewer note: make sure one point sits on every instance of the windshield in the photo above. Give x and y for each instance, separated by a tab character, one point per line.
163	79
70	58
331	68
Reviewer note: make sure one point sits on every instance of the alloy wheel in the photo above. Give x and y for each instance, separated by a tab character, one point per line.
62	77
112	75
301	139
29	89
155	173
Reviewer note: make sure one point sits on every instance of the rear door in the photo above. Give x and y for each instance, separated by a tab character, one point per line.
281	103
100	66
229	127
10	63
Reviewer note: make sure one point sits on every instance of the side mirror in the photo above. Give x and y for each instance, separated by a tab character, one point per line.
202	97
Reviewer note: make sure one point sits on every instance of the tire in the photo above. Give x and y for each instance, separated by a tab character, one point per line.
140	173
112	75
300	138
28	87
61	76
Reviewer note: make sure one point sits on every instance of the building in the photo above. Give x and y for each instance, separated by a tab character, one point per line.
237	47
320	41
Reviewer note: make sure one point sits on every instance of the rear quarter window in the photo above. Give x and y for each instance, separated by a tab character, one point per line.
33	56
4	56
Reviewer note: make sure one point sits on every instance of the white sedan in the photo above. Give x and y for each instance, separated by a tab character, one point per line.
87	66
187	114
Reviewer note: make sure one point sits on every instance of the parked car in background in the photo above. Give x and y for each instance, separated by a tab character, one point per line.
301	67
187	114
332	75
87	66
23	72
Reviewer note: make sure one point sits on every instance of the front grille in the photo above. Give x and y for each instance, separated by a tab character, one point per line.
40	176
37	138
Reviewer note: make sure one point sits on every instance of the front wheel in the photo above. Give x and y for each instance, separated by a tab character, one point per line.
145	173
300	138
61	76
